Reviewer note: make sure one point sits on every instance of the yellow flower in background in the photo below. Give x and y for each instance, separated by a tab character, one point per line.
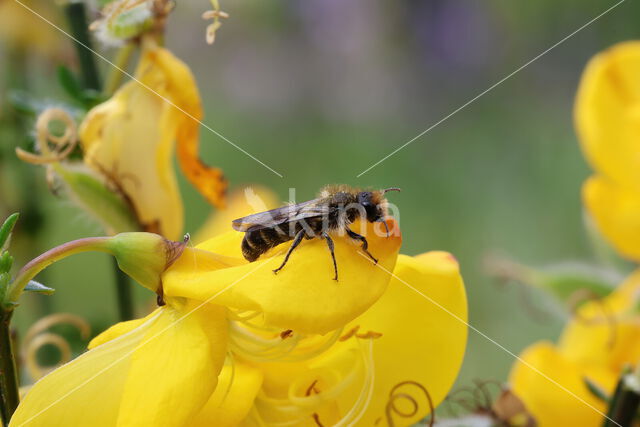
20	28
607	116
241	202
130	139
602	338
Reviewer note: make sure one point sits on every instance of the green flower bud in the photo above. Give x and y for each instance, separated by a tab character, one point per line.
144	256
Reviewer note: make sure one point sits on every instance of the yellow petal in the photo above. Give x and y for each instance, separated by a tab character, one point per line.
606	333
238	384
548	402
423	339
130	138
160	373
616	212
303	296
120	329
607	113
242	202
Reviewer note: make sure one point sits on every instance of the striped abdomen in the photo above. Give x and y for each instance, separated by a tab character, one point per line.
257	242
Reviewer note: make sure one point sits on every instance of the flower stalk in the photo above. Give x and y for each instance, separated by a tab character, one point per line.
625	403
77	17
9	392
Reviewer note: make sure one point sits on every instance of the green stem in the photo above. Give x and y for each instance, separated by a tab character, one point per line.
625	403
9	390
39	263
114	79
77	17
123	293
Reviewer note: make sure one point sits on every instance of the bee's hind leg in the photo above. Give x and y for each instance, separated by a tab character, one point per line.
365	244
296	242
333	255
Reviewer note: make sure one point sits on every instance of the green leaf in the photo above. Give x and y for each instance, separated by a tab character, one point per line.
6	262
564	281
37	287
70	83
596	390
5	230
93	195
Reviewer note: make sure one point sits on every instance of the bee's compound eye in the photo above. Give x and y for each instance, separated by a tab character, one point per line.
364	198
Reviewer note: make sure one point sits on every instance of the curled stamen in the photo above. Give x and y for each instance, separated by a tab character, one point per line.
53	148
392	408
36	338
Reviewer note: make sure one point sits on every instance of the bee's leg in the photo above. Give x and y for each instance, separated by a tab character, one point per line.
365	244
296	242
326	237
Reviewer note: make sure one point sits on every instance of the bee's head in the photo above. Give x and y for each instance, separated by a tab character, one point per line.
373	204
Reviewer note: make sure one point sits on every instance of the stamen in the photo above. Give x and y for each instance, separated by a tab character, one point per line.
36	338
350	333
392	408
61	145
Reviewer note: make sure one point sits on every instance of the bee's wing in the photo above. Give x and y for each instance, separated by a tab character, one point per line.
285	214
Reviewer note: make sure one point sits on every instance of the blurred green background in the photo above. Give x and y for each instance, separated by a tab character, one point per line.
320	90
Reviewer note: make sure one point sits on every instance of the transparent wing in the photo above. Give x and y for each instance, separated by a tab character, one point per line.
285	214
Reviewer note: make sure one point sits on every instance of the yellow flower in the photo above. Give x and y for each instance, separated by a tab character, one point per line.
389	365
162	369
130	139
607	116
597	343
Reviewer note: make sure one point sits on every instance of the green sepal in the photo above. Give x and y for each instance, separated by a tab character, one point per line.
38	287
6	229
596	390
128	23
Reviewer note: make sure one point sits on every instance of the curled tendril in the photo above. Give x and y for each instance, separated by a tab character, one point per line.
392	408
38	336
53	148
585	295
214	14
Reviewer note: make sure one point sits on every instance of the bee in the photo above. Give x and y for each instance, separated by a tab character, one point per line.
334	210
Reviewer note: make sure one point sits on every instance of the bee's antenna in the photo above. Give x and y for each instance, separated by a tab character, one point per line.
390	189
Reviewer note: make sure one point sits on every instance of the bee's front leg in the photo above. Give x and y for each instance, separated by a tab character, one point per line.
365	244
326	237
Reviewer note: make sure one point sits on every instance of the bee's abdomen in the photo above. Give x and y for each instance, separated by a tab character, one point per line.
257	242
